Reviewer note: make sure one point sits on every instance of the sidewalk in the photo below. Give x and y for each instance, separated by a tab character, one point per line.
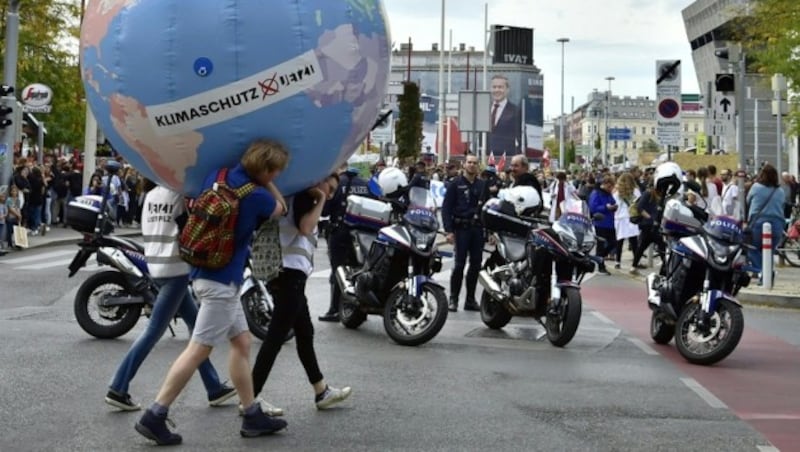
785	292
58	235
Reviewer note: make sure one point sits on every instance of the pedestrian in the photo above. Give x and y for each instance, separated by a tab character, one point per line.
14	214
298	236
765	205
340	243
461	210
602	207
221	316
650	208
164	215
625	195
3	216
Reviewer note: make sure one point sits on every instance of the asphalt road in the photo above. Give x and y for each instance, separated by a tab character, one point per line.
471	388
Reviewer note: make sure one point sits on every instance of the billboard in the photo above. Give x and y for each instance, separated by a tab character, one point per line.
516	114
512	45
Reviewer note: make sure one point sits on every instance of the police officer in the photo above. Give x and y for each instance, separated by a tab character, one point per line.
460	214
340	248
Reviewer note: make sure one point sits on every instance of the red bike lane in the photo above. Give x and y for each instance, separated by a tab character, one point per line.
759	381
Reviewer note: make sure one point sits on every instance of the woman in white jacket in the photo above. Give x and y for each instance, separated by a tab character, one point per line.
569	193
625	193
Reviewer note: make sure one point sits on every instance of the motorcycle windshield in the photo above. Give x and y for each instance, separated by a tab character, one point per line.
420	198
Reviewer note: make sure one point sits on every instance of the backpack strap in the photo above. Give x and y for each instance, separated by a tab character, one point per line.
242	191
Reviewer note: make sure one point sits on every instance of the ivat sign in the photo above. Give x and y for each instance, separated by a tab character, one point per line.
36	98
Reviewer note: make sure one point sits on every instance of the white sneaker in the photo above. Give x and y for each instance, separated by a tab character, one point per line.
266	408
331	396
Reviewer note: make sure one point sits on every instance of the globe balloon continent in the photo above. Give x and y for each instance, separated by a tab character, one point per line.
181	88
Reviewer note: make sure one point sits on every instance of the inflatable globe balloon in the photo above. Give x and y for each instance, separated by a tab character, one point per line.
182	87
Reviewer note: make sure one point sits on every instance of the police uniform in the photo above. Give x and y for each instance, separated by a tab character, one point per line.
340	244
461	215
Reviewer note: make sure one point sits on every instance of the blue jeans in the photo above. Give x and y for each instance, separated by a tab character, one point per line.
777	235
173	296
35	219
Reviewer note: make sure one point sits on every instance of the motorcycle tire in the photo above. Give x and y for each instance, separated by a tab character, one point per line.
493	313
790	251
350	315
398	305
122	318
561	328
257	320
660	331
691	345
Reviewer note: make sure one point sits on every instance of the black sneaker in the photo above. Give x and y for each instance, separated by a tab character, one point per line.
155	428
259	424
329	317
471	306
222	395
121	401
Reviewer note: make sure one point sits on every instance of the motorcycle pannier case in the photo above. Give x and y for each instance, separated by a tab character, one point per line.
366	213
499	216
81	213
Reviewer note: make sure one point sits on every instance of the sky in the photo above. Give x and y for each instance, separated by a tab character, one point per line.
619	38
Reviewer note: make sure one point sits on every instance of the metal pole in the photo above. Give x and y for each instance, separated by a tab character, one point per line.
561	157
40	142
740	131
89	147
778	82
440	134
486	39
608	101
449	90
10	78
755	133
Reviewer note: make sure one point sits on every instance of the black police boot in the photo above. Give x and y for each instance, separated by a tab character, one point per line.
471	305
333	311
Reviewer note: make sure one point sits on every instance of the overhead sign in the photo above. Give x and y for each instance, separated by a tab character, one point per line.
36	98
512	45
668	102
619	134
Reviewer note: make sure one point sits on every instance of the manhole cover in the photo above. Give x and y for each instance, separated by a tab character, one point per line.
522	333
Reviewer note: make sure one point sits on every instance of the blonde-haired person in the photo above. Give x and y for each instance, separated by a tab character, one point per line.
221	317
626	193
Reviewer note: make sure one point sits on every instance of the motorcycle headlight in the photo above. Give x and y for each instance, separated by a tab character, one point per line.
422	240
588	244
722	250
569	242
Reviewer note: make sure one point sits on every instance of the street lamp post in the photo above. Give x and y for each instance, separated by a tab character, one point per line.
561	157
608	101
488	33
778	87
7	136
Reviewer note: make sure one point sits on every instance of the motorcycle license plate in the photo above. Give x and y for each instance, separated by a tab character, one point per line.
79	261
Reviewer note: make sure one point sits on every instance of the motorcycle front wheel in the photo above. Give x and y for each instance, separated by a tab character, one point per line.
561	322
105	322
493	313
709	344
258	313
660	331
412	320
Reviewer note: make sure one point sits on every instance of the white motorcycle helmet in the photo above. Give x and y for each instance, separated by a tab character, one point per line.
668	178
525	199
390	180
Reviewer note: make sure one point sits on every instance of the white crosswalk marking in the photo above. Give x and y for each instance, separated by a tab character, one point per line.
48	259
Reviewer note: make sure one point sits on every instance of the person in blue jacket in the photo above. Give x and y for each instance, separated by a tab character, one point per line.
602	207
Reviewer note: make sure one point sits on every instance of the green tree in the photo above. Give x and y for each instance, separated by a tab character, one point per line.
650	146
552	145
47	54
770	38
408	132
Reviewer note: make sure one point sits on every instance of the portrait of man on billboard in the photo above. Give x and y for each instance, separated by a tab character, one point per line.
505	119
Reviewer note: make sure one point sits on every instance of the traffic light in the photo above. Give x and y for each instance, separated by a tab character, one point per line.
5	109
724	83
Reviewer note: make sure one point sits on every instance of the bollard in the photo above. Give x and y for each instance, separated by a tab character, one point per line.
766	256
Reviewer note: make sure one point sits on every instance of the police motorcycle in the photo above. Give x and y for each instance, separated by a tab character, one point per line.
535	270
692	297
109	303
393	238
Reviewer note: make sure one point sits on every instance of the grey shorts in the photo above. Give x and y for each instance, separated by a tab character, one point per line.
221	316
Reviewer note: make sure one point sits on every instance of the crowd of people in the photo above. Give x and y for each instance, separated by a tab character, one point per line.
36	197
